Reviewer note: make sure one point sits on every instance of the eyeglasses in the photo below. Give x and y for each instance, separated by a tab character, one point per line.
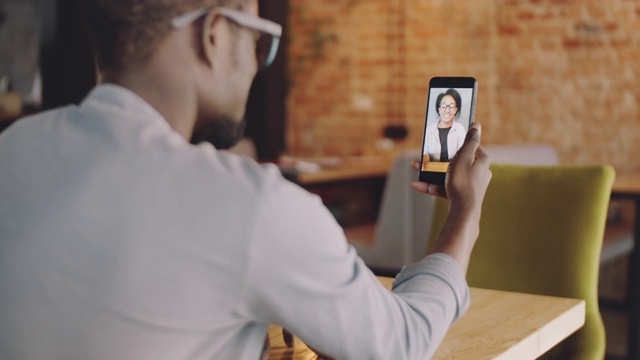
266	44
450	106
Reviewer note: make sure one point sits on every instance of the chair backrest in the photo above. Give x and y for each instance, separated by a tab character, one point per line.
541	232
523	154
404	219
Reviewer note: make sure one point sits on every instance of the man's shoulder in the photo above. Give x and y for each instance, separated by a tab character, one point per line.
27	126
223	167
31	120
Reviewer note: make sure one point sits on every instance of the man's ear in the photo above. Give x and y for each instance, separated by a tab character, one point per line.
210	35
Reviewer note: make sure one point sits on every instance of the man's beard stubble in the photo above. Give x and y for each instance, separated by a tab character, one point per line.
222	131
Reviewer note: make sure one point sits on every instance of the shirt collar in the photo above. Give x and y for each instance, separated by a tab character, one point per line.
122	100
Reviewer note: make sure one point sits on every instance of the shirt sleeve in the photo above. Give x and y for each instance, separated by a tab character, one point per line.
303	275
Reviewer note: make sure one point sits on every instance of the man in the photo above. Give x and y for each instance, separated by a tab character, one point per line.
120	240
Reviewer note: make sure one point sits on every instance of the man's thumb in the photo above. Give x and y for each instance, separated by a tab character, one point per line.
472	140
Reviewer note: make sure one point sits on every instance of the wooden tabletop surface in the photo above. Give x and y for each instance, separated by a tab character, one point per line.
356	167
627	184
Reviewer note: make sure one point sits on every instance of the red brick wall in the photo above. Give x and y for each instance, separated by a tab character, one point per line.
562	72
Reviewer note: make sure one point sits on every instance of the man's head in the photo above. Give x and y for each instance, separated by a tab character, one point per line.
202	51
126	32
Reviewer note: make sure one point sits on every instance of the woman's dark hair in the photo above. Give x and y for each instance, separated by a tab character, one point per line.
456	97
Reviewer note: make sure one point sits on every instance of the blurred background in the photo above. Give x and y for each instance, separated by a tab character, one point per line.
560	72
350	73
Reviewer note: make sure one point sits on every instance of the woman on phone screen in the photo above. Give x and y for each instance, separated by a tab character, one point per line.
445	137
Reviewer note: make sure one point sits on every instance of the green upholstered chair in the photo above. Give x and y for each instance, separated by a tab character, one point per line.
541	232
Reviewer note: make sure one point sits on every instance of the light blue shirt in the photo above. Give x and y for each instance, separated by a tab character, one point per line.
120	240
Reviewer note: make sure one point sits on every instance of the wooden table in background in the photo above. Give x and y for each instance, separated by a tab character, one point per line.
351	189
349	168
498	325
628	187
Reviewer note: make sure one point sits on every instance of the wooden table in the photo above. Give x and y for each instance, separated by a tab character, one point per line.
350	187
628	186
498	325
348	168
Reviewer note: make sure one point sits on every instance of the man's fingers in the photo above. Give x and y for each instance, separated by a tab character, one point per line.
431	189
437	190
415	164
471	142
474	135
420	186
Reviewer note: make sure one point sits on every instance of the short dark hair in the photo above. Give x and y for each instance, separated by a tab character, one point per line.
456	97
125	33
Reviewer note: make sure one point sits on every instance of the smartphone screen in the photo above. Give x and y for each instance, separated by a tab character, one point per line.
450	113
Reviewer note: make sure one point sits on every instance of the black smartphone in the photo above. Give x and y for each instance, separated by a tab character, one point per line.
451	104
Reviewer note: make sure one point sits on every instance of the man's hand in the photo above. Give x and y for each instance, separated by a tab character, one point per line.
471	156
468	175
466	183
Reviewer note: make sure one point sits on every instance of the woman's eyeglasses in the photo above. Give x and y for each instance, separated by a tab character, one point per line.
266	44
450	106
